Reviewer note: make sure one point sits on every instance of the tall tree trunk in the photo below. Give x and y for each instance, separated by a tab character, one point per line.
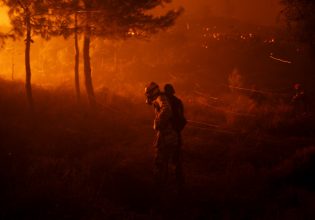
87	67
28	40
76	61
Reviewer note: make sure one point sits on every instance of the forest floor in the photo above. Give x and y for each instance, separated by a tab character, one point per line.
66	161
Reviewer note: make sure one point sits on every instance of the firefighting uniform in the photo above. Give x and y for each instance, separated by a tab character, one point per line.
167	143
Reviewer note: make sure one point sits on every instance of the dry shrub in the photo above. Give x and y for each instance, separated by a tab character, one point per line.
297	170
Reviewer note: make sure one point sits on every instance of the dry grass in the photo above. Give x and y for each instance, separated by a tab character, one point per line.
68	162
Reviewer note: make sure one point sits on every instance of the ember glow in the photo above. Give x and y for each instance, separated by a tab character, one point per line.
279	59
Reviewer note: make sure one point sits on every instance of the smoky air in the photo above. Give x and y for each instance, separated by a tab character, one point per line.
157	109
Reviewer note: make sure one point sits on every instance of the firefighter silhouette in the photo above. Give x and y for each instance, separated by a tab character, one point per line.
167	140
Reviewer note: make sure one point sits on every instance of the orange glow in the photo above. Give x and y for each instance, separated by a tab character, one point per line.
197	41
131	32
4	19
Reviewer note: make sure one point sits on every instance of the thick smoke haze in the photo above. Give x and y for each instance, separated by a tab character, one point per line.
81	143
262	12
207	43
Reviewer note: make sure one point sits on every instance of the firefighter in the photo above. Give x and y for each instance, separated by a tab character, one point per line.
167	141
178	122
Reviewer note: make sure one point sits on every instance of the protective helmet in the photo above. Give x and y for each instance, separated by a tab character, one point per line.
169	89
151	92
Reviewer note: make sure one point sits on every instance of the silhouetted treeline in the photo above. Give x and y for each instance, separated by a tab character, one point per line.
120	19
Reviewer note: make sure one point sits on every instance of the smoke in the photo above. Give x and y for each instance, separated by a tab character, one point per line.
261	12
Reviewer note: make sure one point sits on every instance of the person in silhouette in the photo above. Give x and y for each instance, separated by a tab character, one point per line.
178	122
167	139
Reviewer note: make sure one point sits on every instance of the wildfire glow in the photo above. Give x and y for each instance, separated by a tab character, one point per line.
278	59
4	18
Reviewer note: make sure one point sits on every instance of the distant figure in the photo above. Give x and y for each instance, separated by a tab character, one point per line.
167	139
299	100
178	121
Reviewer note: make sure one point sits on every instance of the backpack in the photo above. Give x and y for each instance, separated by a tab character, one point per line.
178	119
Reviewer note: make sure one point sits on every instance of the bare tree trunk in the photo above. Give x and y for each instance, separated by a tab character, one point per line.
87	67
115	59
76	62
28	85
12	67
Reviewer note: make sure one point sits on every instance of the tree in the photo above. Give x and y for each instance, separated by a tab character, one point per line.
76	57
30	18
119	19
300	17
67	11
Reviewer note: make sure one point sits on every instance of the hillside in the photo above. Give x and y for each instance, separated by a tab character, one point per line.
67	161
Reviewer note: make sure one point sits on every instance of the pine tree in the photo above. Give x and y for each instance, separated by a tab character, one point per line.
30	18
119	19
